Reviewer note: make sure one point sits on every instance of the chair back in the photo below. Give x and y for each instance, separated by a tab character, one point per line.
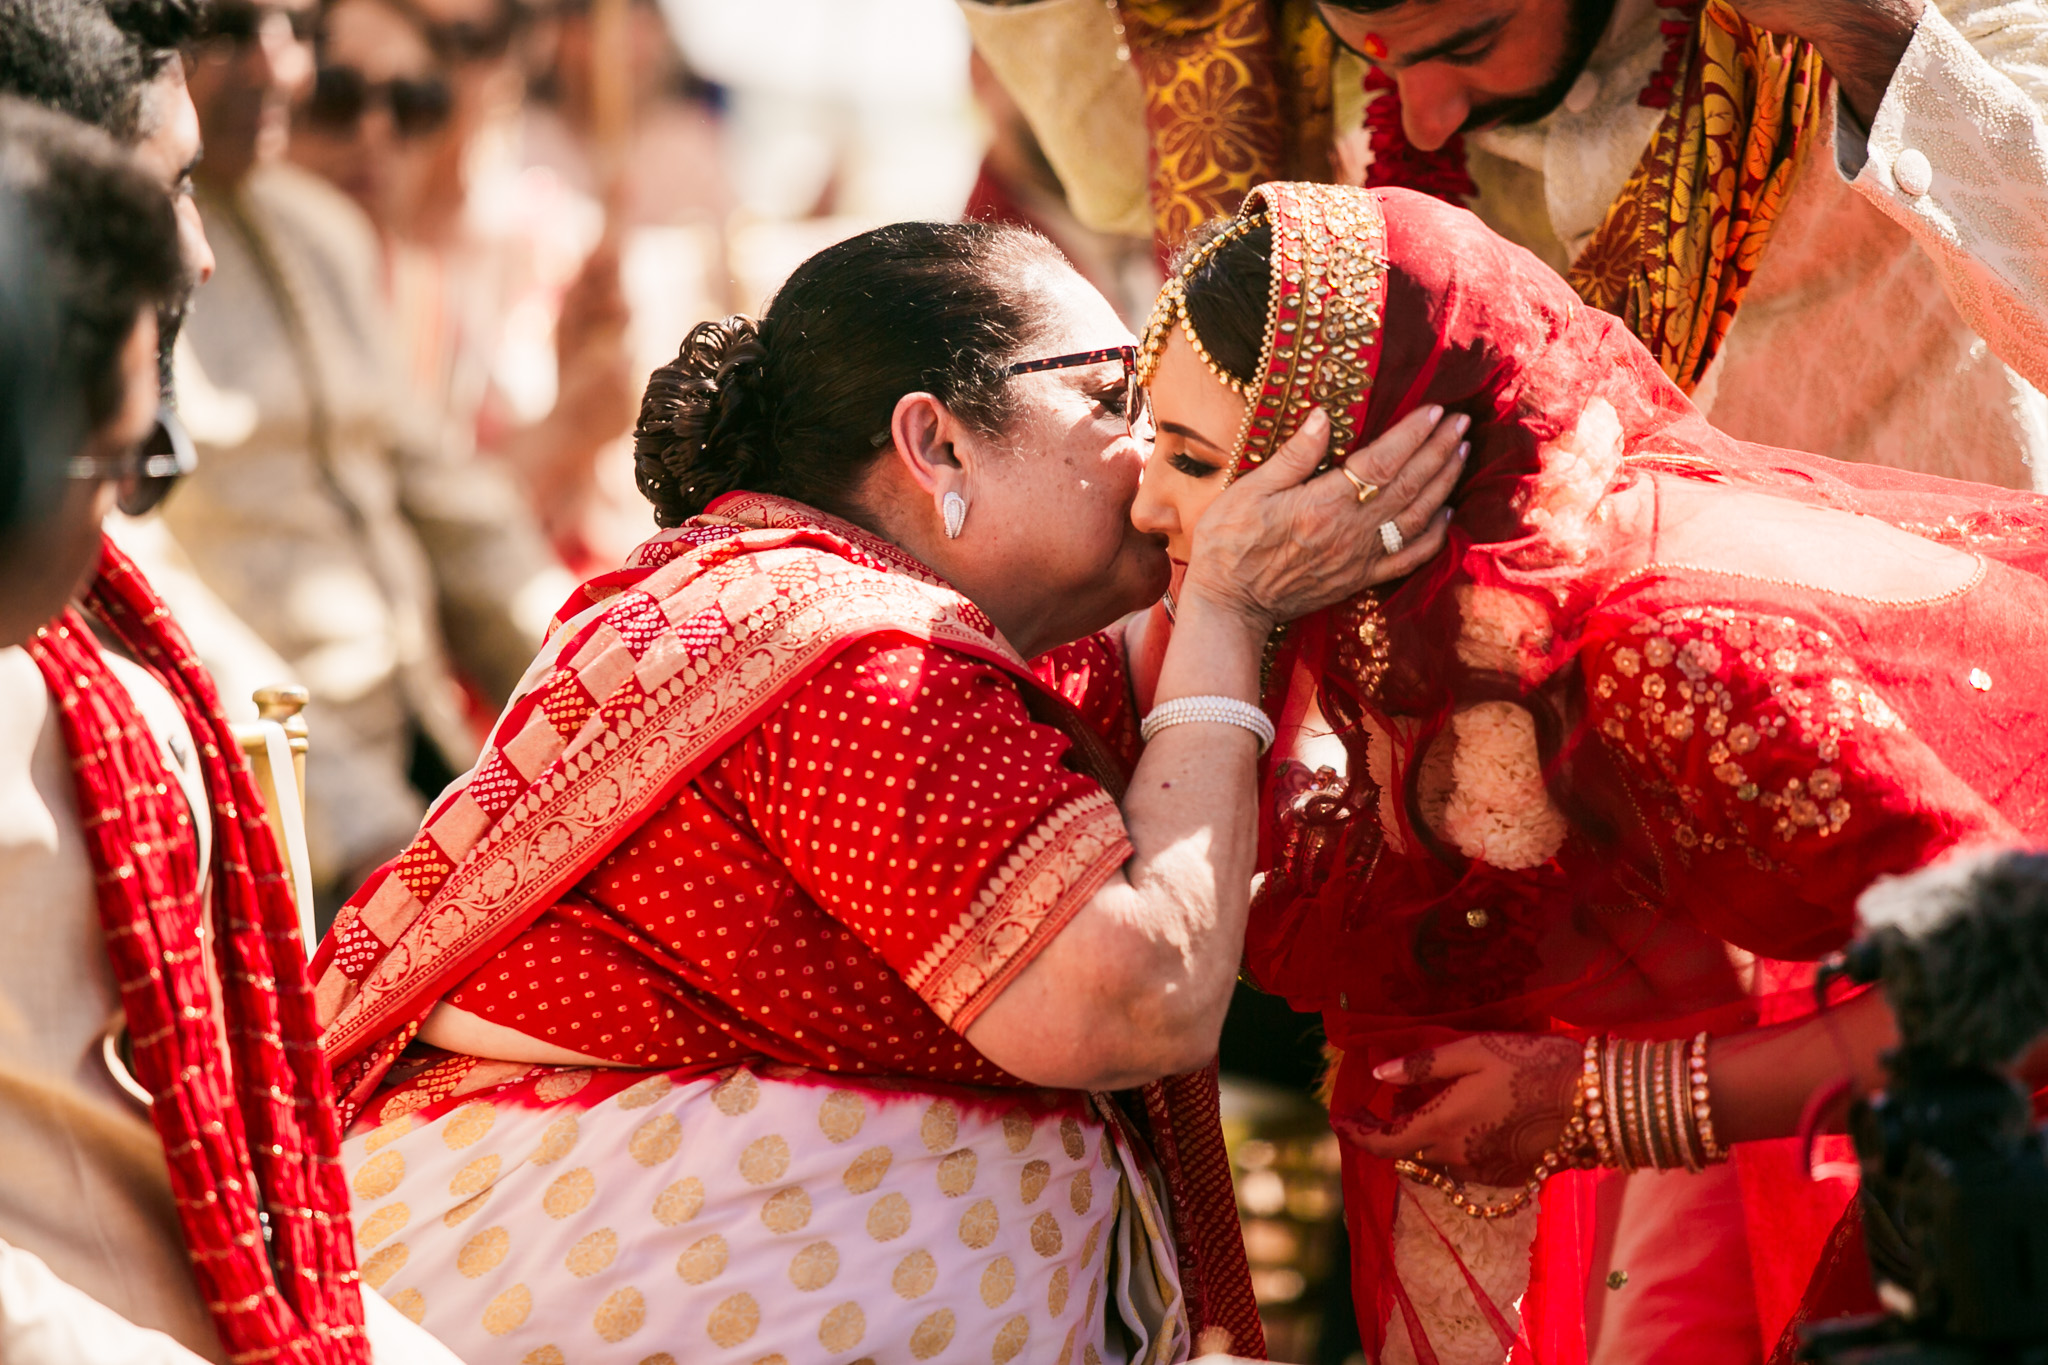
275	744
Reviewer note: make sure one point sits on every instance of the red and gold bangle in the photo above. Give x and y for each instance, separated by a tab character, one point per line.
1595	1097
1702	1101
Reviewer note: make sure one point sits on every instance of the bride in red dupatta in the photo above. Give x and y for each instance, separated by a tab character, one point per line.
1620	761
712	1011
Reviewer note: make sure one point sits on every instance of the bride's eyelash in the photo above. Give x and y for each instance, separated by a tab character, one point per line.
1192	467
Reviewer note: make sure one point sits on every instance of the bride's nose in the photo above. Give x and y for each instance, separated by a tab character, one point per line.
1150	512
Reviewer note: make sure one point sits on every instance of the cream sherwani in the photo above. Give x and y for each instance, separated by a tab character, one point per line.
1901	311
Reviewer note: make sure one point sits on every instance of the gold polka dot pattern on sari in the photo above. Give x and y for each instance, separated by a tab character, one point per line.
680	1202
816	1266
656	1140
734	1320
843	1328
483	1253
592	1254
623	1312
468	1124
507	1312
841	1115
762	1219
915	1275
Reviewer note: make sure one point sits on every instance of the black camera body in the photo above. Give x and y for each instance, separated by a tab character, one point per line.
1955	1171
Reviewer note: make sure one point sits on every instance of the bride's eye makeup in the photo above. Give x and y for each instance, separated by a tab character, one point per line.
1183	463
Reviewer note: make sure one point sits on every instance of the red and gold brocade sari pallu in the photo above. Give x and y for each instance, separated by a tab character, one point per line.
1620	760
774	818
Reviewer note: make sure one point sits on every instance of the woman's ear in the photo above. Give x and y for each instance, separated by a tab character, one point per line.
923	431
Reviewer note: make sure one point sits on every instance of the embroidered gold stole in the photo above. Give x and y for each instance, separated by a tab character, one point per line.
1237	93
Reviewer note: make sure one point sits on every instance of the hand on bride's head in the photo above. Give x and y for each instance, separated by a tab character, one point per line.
1282	541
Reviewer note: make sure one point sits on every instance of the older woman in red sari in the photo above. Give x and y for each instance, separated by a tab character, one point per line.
1615	767
757	996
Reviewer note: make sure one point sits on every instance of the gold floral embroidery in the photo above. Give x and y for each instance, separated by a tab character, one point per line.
1655	697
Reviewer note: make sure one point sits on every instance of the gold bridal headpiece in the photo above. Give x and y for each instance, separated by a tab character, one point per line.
1172	307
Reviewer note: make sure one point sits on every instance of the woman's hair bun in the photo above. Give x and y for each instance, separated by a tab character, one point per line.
704	428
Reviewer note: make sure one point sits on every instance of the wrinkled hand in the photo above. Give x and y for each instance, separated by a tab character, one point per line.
1278	544
1509	1098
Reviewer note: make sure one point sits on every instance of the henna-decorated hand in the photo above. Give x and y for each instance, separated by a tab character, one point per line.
1508	1098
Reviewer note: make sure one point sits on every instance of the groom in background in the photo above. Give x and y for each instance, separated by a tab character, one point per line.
1862	271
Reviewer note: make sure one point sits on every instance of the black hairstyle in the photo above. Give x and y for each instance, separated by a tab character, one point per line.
159	27
799	403
41	421
109	242
1227	293
70	56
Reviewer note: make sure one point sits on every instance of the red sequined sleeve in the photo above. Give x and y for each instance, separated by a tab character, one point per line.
1774	780
909	793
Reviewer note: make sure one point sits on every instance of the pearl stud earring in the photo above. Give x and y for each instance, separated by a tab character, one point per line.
956	514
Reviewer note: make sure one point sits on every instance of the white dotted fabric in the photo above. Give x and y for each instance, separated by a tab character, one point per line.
761	1221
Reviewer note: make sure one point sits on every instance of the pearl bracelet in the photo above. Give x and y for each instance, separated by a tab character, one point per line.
1212	710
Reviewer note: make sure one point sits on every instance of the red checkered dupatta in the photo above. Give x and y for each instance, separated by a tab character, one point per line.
250	1135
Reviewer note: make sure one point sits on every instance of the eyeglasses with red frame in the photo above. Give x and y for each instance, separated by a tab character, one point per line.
1137	405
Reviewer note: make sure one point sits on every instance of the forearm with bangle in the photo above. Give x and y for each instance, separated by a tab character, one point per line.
1638	1106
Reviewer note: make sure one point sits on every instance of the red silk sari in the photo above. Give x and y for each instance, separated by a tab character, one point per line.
772	791
249	1135
1721	753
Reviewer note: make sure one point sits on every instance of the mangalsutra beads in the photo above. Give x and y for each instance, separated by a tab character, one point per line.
1637	1106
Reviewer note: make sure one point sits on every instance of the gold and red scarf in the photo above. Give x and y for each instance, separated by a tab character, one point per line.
1236	94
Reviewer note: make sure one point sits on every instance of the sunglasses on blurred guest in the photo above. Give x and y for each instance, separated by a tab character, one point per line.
147	472
342	95
242	24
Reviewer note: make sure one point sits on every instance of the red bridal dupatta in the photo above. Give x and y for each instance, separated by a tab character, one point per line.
249	1135
1713	757
649	675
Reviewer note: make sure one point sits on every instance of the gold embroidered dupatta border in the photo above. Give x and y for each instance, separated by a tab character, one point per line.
1679	244
633	695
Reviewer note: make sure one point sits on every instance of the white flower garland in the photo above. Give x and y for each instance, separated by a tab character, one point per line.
1499	811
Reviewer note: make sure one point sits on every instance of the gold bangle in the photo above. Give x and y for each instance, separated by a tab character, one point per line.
1593	1097
1660	1104
1631	1158
1702	1101
1646	1107
1610	1070
1671	1066
1681	1108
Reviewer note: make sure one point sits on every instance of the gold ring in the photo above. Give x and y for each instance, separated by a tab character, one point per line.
1366	491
